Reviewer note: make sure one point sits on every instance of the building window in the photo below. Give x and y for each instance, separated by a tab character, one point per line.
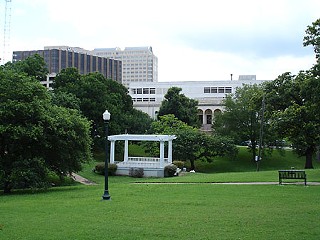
217	90
152	91
139	90
146	91
214	90
221	90
228	89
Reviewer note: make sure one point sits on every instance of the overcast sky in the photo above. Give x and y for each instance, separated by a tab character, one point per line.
193	40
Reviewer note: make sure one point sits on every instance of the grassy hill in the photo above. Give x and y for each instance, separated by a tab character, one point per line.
273	160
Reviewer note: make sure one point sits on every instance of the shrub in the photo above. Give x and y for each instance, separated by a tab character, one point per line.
100	168
170	170
136	172
179	164
112	168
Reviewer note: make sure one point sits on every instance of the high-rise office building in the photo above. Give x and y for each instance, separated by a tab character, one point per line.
61	57
139	64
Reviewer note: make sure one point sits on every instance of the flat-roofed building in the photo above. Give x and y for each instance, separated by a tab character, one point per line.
147	97
139	64
61	57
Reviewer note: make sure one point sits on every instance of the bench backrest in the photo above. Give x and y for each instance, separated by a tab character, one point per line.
292	174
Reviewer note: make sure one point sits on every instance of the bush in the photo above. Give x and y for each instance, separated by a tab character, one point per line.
136	172
100	168
179	164
170	170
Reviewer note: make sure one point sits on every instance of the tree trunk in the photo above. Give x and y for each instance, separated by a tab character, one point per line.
6	188
254	153
192	165
308	164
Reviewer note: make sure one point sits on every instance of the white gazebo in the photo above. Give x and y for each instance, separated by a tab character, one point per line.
152	166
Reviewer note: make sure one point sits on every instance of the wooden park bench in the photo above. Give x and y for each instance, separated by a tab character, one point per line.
292	174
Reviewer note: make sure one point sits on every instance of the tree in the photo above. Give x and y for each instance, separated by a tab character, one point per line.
294	104
191	144
182	107
95	94
241	119
313	37
37	136
33	66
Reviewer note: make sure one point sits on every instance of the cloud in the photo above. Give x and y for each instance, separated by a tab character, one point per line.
202	40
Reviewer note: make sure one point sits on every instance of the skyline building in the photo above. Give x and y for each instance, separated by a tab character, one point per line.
61	57
139	64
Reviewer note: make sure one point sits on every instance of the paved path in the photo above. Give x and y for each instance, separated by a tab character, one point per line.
82	180
234	183
85	181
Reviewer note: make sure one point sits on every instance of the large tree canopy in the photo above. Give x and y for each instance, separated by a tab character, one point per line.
182	107
37	136
95	94
241	119
33	66
294	104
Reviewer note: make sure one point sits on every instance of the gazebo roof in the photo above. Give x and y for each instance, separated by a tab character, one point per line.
140	137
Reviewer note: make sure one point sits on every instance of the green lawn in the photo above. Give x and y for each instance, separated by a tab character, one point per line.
147	211
167	211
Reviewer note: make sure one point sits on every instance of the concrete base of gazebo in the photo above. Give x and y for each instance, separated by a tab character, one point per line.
152	166
147	172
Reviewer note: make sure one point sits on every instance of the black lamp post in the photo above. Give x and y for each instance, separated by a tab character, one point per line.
106	117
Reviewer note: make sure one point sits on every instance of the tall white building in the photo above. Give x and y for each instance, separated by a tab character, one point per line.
139	64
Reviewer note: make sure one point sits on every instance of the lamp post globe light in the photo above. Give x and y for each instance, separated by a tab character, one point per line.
106	196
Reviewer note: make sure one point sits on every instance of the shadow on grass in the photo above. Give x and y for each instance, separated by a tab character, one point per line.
29	191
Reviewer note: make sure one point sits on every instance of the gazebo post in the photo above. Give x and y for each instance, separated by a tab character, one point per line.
161	154
112	148
170	151
126	154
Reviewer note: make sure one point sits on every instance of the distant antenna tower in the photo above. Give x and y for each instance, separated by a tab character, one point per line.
6	30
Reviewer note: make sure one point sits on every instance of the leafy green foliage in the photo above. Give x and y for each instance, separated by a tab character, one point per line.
170	170
191	144
93	93
313	37
241	119
33	66
100	168
37	136
179	164
293	103
182	107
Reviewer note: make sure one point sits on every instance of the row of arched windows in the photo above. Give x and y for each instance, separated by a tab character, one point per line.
206	116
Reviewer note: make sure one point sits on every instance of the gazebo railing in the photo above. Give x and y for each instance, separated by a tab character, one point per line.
146	159
143	162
